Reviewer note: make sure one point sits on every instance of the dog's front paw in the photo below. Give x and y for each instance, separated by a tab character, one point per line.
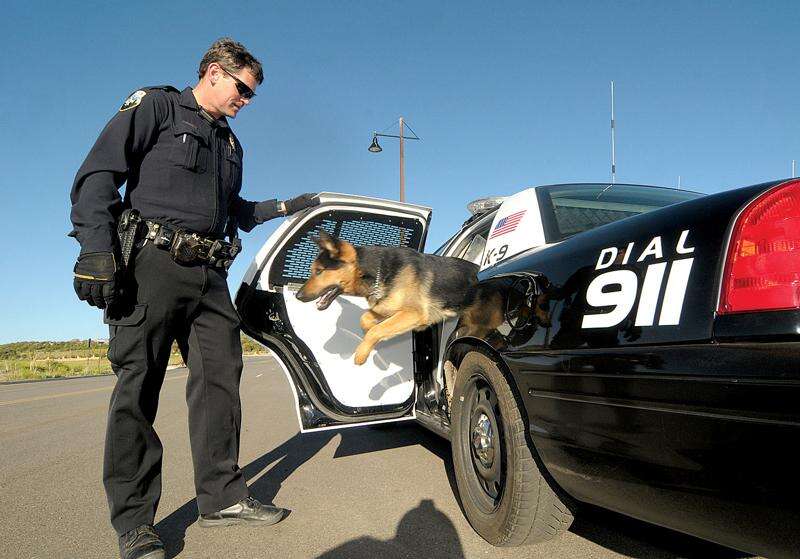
361	354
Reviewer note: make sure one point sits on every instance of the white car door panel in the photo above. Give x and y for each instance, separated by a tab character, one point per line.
386	378
316	347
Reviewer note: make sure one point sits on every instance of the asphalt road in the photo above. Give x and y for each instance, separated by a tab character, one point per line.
363	492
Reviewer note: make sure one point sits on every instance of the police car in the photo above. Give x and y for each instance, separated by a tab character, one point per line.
648	360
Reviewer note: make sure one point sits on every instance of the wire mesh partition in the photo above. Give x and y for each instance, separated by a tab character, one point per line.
294	261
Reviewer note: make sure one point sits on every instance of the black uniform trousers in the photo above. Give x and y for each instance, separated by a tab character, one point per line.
165	301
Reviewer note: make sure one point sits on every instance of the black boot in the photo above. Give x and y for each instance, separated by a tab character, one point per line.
246	511
141	543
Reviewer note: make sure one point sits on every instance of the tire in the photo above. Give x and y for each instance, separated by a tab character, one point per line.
504	495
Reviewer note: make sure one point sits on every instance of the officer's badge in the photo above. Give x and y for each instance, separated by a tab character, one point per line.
133	100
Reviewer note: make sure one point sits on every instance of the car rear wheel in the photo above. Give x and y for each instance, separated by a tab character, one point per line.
504	495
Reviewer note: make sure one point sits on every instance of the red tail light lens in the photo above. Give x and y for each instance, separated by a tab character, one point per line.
762	271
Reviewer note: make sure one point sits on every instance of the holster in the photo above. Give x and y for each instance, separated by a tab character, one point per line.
127	228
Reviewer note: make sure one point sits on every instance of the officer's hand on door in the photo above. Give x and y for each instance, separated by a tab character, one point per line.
301	202
95	277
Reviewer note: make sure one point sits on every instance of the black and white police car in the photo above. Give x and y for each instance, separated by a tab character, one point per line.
648	362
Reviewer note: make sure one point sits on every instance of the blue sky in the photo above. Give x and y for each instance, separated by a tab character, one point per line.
504	95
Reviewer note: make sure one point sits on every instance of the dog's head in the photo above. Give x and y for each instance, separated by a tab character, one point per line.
333	272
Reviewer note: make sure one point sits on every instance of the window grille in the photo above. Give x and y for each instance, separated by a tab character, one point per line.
293	263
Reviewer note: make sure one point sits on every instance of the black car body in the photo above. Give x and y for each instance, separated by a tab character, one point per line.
649	365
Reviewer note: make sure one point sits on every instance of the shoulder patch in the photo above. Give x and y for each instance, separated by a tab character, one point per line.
133	100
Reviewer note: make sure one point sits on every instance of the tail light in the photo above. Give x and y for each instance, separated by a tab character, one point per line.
762	269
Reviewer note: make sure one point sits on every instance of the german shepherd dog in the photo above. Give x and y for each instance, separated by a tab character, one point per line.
406	290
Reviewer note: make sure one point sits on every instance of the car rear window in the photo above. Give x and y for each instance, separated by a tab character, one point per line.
574	208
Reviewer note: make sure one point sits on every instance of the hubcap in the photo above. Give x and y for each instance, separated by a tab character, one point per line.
483	437
483	440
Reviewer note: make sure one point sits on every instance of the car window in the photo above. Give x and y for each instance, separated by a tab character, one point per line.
474	251
476	225
440	251
574	208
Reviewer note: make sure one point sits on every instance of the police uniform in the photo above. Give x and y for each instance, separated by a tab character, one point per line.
182	169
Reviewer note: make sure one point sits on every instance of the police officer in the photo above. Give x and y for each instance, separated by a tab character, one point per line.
182	165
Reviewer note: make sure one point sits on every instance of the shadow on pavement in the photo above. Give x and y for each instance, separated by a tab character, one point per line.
616	532
289	456
423	532
426	531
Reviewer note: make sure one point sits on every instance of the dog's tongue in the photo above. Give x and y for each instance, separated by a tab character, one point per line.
327	297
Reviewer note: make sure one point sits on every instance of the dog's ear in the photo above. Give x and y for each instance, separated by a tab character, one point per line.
328	243
347	252
336	248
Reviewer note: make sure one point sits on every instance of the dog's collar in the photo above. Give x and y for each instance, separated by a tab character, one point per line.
376	291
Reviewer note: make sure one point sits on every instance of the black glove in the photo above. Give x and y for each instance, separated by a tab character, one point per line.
301	202
95	278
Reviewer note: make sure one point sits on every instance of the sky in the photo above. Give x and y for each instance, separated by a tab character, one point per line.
505	95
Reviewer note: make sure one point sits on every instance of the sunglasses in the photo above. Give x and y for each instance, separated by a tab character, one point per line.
242	88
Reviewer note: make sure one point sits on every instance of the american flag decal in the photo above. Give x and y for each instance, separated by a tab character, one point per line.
507	224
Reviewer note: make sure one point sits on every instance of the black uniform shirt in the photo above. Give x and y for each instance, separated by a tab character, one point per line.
179	167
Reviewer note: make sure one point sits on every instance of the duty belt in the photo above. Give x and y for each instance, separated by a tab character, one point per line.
187	247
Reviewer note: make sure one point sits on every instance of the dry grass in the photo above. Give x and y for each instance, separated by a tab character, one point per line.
80	358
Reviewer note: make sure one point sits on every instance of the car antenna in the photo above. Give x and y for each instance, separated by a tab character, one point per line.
613	143
613	147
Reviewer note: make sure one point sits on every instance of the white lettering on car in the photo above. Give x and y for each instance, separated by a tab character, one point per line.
653	249
627	253
606	258
495	255
618	289
682	248
621	299
676	290
650	288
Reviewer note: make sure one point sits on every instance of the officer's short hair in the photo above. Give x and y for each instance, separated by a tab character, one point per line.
232	56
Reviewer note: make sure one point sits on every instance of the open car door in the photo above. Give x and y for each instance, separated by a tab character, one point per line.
315	348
